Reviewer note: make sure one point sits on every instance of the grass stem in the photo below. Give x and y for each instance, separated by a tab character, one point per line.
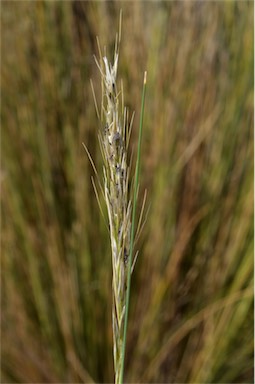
137	172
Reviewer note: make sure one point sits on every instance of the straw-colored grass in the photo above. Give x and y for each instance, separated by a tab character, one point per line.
120	191
114	136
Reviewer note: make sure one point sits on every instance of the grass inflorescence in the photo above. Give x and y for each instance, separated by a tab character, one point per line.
120	189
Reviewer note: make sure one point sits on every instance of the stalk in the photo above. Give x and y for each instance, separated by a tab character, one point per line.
113	143
137	174
114	138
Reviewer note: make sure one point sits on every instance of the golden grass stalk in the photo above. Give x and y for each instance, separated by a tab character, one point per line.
114	138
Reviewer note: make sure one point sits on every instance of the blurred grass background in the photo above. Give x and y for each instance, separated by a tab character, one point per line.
191	318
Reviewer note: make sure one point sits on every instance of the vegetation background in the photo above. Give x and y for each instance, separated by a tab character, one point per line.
191	318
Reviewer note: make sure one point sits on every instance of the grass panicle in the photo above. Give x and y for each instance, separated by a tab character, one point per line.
120	199
114	138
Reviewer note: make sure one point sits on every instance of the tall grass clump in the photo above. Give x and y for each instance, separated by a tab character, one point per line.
120	190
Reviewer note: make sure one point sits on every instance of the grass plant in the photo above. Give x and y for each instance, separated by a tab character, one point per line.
114	137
